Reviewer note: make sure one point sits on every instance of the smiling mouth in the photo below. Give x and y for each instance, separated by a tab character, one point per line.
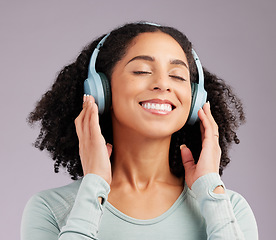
157	107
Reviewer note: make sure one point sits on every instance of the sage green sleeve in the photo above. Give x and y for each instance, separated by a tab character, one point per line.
84	219
227	216
39	221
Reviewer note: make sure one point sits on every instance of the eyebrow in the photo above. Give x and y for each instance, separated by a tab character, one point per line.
151	59
178	62
142	57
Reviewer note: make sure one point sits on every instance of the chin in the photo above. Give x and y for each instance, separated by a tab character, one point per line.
159	133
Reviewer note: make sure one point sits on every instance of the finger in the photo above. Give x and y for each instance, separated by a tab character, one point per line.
83	122
202	131
85	117
94	117
86	99
206	128
78	125
207	111
208	121
187	157
79	121
90	98
109	149
214	133
80	118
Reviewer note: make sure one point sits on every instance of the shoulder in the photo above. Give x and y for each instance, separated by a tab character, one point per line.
244	214
54	204
237	200
202	192
240	205
58	195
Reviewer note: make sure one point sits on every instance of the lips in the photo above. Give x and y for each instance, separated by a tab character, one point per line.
158	106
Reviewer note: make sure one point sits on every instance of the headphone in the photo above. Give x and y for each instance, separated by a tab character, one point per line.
98	85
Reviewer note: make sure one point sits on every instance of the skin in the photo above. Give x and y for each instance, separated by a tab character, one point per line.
142	185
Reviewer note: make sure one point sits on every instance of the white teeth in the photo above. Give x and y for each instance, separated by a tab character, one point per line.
157	106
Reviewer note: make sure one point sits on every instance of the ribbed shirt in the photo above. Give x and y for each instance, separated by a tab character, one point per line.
73	212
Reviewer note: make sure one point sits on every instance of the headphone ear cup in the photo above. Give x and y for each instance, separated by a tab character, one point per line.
199	97
93	86
107	92
191	118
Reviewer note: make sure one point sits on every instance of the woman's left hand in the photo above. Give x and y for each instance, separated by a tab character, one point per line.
210	155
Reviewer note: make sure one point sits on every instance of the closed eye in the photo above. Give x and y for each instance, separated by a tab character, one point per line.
178	77
141	72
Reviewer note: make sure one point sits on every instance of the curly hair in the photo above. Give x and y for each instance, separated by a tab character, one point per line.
59	106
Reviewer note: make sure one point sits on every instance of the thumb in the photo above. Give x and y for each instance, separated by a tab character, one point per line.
187	157
109	149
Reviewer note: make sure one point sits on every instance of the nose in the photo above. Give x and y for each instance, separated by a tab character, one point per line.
161	82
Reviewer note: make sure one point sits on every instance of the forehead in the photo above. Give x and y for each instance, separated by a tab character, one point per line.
155	43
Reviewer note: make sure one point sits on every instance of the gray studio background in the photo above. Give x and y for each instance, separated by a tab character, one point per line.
234	39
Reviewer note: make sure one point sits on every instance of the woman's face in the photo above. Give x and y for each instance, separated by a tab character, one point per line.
151	91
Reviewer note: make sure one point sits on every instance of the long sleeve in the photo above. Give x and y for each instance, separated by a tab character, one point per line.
219	211
40	222
74	212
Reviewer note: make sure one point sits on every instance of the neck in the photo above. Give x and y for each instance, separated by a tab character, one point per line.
140	161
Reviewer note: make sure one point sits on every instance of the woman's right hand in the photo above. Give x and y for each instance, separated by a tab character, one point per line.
94	152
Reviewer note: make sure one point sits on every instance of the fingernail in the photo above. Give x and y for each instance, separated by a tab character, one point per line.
108	144
90	98
182	146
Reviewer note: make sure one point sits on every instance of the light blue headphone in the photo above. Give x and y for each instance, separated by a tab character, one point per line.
98	85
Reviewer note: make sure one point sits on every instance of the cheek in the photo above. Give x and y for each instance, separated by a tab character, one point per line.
123	98
189	101
185	96
125	89
120	94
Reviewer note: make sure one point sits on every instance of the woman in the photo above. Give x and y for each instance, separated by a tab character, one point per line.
162	179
